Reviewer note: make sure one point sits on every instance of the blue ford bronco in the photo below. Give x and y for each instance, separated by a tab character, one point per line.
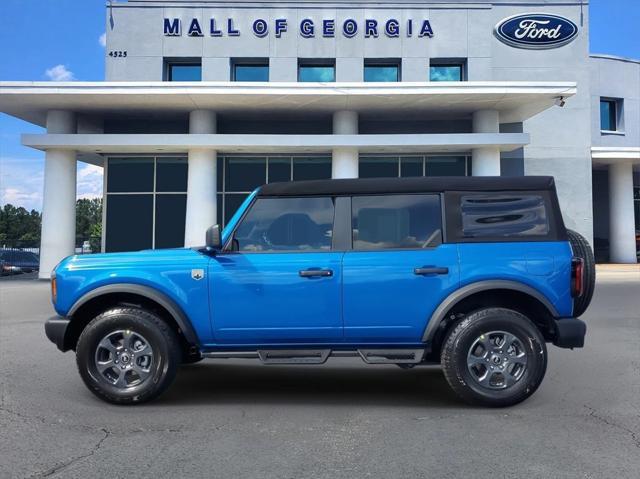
476	274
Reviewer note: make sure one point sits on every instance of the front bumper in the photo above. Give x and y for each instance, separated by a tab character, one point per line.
570	333
56	329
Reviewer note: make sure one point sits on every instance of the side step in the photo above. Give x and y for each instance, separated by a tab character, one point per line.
320	356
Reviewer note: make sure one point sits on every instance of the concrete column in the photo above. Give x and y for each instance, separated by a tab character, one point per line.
344	162
622	241
58	234
201	182
485	161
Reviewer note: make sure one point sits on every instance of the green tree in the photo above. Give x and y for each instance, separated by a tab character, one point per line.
89	222
19	227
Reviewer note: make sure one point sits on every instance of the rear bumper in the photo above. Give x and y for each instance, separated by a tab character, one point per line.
56	329
570	333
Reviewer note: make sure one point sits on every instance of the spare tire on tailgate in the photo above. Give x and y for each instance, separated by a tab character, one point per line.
582	249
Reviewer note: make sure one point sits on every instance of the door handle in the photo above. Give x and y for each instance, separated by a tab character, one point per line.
426	270
312	273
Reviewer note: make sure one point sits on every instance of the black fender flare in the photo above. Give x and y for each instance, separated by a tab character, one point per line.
477	287
150	293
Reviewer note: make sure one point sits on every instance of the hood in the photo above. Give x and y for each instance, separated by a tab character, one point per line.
127	259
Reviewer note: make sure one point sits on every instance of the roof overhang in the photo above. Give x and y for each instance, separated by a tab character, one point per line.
515	101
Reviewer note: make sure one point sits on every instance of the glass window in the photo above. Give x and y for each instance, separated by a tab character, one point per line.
287	224
446	166
503	215
251	71
378	167
183	71
446	72
311	168
608	115
316	72
396	222
231	204
171	174
129	222
128	175
411	167
381	72
279	169
170	215
245	173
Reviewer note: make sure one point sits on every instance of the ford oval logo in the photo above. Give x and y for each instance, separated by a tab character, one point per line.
536	31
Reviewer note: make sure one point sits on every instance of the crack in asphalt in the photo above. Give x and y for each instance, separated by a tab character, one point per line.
61	466
594	414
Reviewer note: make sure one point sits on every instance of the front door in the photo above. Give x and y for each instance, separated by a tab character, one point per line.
398	271
281	283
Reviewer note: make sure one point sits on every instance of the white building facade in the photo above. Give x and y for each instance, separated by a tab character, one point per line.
206	100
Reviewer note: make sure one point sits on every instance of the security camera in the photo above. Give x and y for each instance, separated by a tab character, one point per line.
560	101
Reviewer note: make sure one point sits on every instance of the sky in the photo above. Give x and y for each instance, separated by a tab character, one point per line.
63	40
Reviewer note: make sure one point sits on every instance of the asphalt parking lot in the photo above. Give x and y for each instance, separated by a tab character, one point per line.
235	419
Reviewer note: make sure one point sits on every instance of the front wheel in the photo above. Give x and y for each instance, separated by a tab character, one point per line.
127	355
494	357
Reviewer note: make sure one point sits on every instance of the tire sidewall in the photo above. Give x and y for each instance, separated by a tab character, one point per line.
110	322
535	350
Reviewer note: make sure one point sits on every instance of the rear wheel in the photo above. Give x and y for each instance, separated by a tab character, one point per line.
494	357
581	249
127	355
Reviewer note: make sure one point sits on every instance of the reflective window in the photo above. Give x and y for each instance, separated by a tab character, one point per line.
171	174
375	71
251	70
183	71
232	202
279	169
378	167
130	175
129	222
245	173
503	215
446	72
396	222
411	166
317	72
287	224
446	166
608	115
311	168
170	216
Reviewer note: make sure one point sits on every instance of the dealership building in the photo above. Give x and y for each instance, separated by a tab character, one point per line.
206	100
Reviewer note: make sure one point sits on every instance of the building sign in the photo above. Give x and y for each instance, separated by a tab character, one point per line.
536	31
307	28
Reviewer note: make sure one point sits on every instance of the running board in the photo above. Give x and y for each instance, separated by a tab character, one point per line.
319	356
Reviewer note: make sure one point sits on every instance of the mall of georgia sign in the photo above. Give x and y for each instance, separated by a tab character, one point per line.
536	31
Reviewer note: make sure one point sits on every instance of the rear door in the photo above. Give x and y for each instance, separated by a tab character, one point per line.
398	271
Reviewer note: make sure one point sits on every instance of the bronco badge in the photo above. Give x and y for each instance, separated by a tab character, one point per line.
197	274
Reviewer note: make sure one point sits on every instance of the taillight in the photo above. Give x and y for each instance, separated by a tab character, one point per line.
577	277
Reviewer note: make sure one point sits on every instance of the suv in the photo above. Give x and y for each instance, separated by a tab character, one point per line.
477	274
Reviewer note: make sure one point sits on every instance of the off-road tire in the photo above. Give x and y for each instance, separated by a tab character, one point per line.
167	354
581	249
462	336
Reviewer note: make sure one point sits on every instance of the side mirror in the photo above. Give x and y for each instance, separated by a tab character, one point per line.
213	240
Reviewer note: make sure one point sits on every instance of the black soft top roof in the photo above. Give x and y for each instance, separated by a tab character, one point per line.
363	186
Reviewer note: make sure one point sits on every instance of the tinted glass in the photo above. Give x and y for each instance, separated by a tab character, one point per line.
185	72
128	175
445	73
311	168
170	214
129	222
396	222
251	73
279	169
308	73
171	174
381	73
287	224
376	167
245	173
410	167
446	166
503	215
608	115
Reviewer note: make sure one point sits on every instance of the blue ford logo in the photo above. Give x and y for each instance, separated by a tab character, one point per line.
536	31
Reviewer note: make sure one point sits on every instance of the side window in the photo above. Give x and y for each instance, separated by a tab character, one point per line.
503	215
396	222
286	224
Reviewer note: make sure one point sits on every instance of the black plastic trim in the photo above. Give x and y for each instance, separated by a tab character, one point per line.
570	333
56	329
